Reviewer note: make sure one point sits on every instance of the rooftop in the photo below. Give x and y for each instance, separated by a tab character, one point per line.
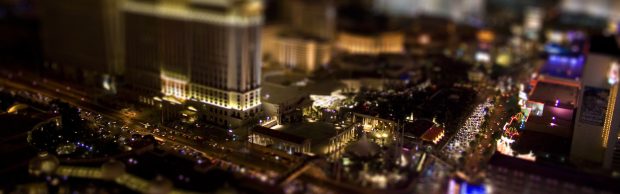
418	127
434	134
543	144
552	94
278	94
279	134
553	120
318	133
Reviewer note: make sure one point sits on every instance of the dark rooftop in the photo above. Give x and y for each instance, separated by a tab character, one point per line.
541	143
278	134
607	45
418	127
550	93
184	174
555	172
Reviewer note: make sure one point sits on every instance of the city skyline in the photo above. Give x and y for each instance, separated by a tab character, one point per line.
309	96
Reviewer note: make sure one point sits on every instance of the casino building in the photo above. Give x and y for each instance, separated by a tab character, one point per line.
200	53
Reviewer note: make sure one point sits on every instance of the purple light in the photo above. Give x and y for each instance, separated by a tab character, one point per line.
555	59
571	35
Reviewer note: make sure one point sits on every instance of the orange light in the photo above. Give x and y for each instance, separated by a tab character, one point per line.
486	36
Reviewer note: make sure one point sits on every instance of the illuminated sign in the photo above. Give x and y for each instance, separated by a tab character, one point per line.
462	187
472	189
594	106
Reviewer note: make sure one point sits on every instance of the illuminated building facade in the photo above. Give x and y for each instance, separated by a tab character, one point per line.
597	121
282	105
142	60
330	143
81	41
279	140
304	42
380	43
306	55
203	53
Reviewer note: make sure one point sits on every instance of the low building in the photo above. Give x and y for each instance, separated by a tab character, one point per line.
552	107
434	134
361	31
423	130
279	140
548	127
355	85
316	138
374	43
283	105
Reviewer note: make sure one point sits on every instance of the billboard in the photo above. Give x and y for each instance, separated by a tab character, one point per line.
594	106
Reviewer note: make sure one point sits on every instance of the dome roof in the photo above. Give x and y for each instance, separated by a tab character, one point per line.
112	169
364	148
43	163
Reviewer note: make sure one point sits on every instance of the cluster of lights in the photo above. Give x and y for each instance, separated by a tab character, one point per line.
325	101
609	115
483	56
132	161
82	145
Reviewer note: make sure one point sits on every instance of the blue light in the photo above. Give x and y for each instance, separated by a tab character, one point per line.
555	49
472	189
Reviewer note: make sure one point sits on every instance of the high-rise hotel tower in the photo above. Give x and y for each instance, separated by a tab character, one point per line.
80	40
203	53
